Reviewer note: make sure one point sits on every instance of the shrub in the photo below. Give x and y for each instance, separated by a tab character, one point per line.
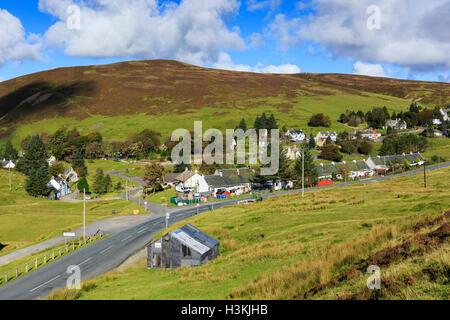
319	120
331	152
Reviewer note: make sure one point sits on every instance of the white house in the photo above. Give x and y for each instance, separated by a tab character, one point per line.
187	179
59	186
322	137
369	134
8	164
397	124
296	136
292	152
51	160
444	114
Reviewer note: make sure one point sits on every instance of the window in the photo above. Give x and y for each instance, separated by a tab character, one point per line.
186	251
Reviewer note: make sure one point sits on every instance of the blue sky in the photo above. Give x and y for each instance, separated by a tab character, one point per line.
321	36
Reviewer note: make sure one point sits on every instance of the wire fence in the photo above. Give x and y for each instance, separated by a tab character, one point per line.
50	256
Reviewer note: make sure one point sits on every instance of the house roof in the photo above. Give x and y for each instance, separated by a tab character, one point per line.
411	158
194	238
326	169
178	177
228	180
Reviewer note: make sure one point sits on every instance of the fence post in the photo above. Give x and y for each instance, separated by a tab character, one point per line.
35	264
60	252
53	255
73	245
17	272
26	268
79	243
6	276
45	259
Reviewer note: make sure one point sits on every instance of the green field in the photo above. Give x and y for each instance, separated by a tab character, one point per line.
283	247
438	146
26	220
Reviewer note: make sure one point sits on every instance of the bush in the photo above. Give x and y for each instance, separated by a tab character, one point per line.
331	152
319	120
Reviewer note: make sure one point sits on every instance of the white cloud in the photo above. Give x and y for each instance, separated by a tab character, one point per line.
256	40
414	34
368	69
284	31
283	68
14	44
226	63
272	5
193	31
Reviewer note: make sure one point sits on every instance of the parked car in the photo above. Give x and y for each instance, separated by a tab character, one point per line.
184	189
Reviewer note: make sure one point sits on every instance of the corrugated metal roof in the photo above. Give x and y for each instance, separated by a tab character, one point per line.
194	238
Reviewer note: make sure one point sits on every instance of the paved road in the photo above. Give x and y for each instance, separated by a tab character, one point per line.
110	252
108	226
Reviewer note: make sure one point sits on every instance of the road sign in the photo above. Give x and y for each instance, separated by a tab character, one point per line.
198	205
69	234
145	203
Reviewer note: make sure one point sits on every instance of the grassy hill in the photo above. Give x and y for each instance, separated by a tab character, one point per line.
164	95
311	248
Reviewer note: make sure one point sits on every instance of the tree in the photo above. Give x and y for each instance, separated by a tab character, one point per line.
365	147
319	120
180	167
9	153
83	185
35	156
331	152
153	177
349	147
94	150
414	107
36	183
107	184
343	171
271	123
328	140
56	169
310	169
378	117
99	182
79	165
118	186
406	143
242	125
311	142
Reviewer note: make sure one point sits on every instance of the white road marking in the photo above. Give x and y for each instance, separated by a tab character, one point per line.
85	261
45	283
123	240
142	230
101	252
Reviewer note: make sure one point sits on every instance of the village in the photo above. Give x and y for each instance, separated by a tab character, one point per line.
186	185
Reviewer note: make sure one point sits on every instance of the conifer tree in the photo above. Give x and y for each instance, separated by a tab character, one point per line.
35	156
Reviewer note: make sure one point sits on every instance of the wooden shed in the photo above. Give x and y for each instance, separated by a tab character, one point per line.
187	246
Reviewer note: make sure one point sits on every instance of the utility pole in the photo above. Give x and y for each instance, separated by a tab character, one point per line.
303	172
424	174
165	211
10	185
84	214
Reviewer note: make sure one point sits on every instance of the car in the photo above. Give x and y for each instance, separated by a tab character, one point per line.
184	189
